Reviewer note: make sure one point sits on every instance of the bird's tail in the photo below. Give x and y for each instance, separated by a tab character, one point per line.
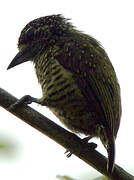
110	146
111	154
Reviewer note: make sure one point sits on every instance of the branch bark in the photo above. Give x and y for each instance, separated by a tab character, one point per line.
63	137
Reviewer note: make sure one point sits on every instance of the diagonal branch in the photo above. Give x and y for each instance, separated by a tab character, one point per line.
63	137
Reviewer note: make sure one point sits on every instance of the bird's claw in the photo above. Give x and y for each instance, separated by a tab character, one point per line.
23	101
90	145
68	153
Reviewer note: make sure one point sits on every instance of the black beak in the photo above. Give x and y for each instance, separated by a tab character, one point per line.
21	57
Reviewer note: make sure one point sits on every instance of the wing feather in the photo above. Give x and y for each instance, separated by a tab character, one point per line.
95	76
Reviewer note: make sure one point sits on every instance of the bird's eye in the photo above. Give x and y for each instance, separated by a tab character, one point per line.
29	34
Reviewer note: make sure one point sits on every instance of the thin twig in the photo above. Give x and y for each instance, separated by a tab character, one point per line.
63	137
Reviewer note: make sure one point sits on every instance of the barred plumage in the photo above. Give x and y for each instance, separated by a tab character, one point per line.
78	81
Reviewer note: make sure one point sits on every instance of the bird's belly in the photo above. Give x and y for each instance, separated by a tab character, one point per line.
66	100
72	109
76	118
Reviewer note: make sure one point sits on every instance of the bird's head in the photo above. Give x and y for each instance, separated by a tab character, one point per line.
38	35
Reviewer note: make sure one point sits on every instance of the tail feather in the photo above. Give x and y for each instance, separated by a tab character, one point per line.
110	148
111	155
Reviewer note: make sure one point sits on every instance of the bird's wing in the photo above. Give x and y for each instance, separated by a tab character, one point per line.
94	75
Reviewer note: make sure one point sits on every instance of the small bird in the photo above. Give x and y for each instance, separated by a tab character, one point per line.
78	81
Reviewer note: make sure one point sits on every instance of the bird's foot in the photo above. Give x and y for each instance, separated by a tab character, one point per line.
85	140
91	145
68	153
27	99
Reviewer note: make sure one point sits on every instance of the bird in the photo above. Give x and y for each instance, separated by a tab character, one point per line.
78	81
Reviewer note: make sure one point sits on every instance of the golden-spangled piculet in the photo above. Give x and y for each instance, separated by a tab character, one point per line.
78	81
